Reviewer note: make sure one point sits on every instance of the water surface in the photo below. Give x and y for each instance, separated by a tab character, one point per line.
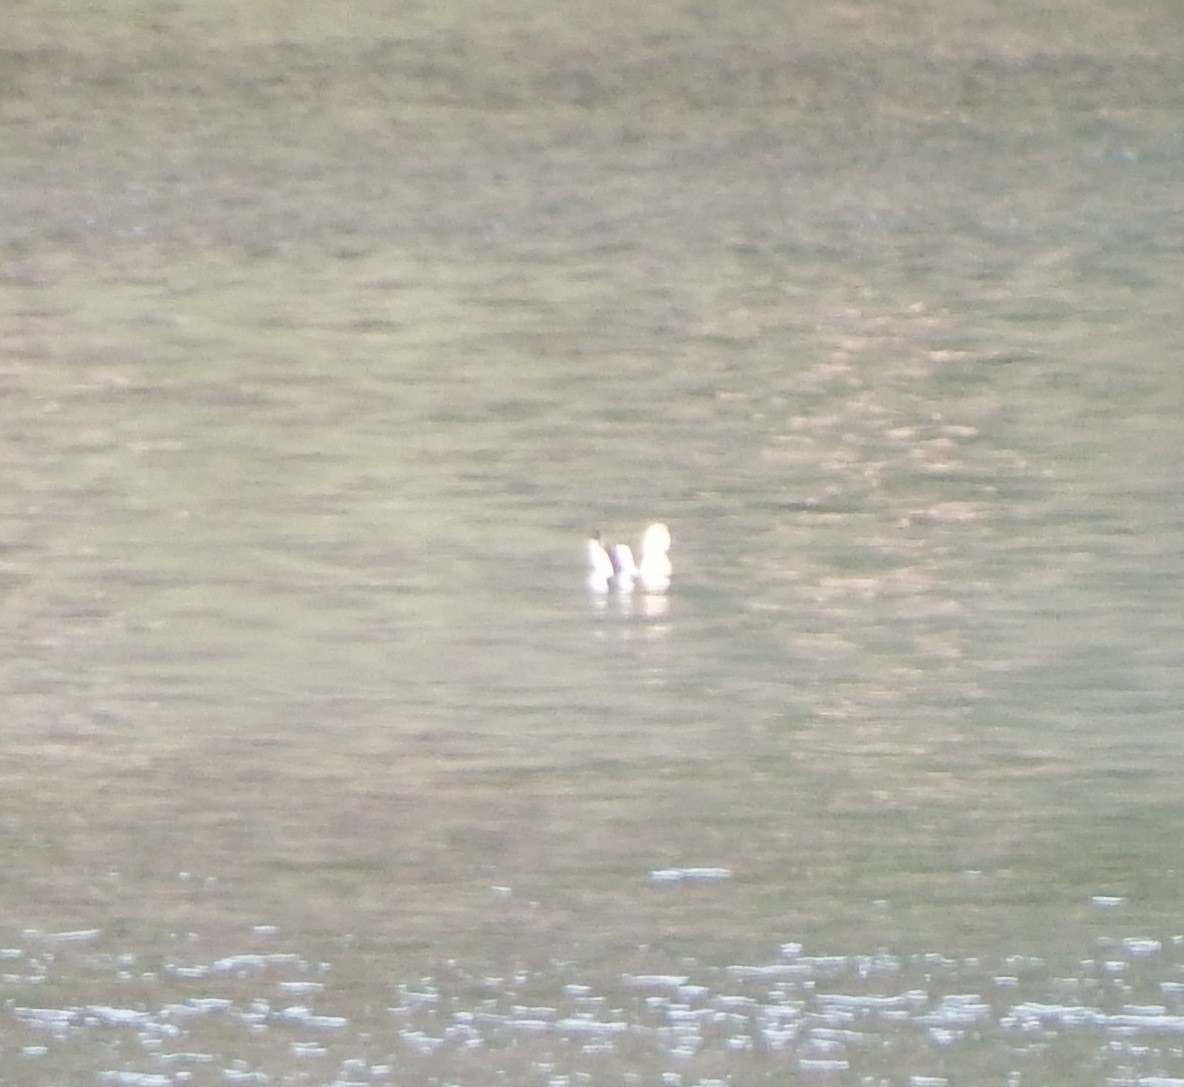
303	434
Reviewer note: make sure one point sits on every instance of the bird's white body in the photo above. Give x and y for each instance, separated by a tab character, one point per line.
625	568
612	567
600	566
655	569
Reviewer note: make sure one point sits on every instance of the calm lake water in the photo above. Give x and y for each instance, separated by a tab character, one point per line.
321	765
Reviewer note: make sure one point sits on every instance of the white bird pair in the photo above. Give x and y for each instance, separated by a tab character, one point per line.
612	567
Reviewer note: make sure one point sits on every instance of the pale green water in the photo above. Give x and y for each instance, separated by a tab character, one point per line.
302	438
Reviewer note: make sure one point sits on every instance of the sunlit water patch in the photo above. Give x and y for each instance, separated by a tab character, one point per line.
1113	1016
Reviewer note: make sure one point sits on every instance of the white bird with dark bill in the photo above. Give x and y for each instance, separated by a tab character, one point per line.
600	565
612	567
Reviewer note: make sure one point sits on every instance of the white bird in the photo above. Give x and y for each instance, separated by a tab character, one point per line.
600	565
612	567
624	568
655	569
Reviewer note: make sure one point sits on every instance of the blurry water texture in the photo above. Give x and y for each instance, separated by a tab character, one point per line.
328	338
